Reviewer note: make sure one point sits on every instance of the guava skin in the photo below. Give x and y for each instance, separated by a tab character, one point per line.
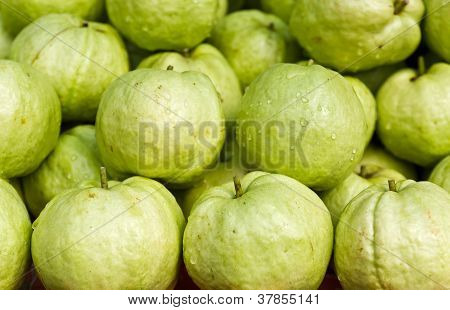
142	113
164	24
125	237
323	127
375	77
75	159
30	115
277	235
5	41
441	174
281	8
208	60
437	27
413	114
17	14
15	229
90	56
387	39
395	239
252	41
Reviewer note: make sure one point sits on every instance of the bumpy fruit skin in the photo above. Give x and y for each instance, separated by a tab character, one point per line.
19	13
281	8
30	117
437	27
75	159
395	239
15	229
252	41
208	60
5	41
126	237
375	77
164	24
441	174
344	40
161	124
302	121
277	235
90	56
414	114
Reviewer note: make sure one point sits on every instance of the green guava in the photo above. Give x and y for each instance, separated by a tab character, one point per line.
5	41
208	60
441	174
395	237
17	14
437	27
281	8
165	24
414	114
268	232
252	41
375	77
161	124
302	121
75	159
357	35
90	56
15	229
127	236
30	116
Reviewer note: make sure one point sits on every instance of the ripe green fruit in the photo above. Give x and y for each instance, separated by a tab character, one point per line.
395	239
305	122
343	39
281	8
437	27
252	41
15	229
161	124
90	56
208	60
413	113
75	159
30	117
271	232
375	77
441	174
127	236
164	24
5	41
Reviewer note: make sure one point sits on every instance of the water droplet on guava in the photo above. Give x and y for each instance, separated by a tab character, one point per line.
305	100
333	136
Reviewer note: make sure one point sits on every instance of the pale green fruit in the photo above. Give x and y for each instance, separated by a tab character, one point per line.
19	13
441	174
125	237
75	159
281	8
5	41
302	121
30	116
208	60
90	56
375	77
161	124
414	114
252	41
395	239
15	232
339	34
165	24
437	27
275	234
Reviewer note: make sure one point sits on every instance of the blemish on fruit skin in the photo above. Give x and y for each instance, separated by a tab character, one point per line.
91	195
23	120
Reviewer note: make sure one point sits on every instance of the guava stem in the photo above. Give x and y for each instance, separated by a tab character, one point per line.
169	68
399	5
185	52
392	186
238	187
363	172
103	178
421	65
310	62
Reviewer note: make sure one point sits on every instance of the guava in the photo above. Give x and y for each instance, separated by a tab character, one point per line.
164	24
302	121
89	57
375	77
161	124
19	13
30	117
441	174
208	60
339	34
15	229
252	41
395	237
437	27
414	114
5	41
120	236
75	159
267	231
281	8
